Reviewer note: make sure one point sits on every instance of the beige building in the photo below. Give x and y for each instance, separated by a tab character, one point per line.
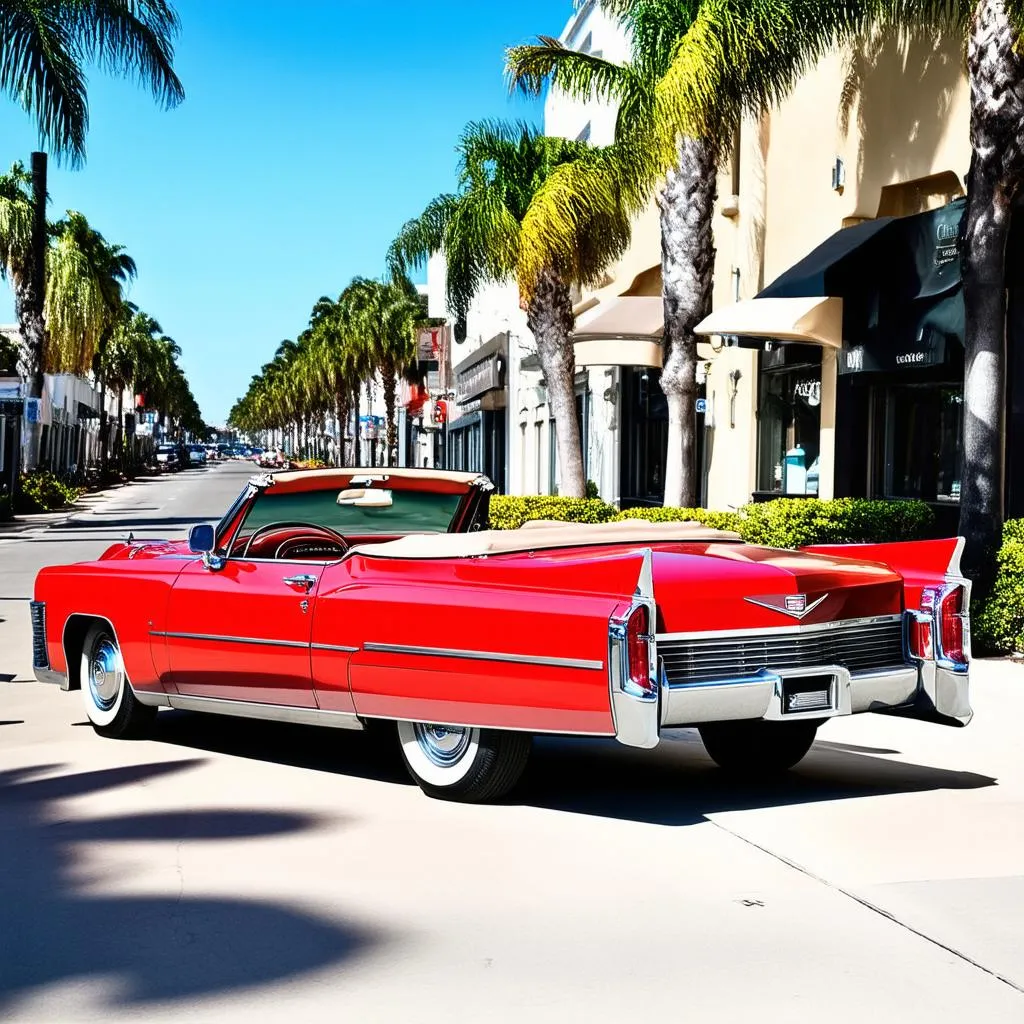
878	133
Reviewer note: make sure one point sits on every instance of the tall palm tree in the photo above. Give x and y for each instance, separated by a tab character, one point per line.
546	213
730	56
45	46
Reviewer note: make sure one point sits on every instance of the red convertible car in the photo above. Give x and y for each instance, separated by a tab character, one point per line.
340	597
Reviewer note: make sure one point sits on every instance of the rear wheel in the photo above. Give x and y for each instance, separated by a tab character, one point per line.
106	692
457	763
758	748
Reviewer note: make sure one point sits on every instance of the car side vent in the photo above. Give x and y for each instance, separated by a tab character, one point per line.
40	655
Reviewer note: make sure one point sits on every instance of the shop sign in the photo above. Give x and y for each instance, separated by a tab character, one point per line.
11	407
476	380
32	410
809	390
702	406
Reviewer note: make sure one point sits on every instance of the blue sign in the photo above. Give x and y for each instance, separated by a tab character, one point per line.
702	406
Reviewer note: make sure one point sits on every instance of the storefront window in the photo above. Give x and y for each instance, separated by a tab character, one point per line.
790	430
924	427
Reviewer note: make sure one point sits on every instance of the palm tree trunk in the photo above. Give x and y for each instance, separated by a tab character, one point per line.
371	442
687	204
996	75
356	455
119	432
549	316
104	426
344	403
391	431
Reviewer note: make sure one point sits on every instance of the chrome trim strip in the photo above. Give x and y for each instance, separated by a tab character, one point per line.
811	627
265	712
521	659
341	648
217	638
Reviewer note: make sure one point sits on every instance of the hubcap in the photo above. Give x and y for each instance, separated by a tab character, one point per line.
105	674
443	745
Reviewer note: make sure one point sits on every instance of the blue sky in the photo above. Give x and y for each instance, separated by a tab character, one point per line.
309	133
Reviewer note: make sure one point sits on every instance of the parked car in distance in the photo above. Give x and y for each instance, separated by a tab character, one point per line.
167	458
212	452
196	455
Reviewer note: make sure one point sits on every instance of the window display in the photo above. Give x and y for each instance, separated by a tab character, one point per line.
790	430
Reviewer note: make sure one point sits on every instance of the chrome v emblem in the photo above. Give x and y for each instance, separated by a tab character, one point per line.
796	606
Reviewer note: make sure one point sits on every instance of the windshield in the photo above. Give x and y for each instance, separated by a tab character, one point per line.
358	512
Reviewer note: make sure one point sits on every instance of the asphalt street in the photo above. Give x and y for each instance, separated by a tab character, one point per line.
244	871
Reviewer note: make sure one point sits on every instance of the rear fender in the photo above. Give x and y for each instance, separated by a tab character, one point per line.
932	583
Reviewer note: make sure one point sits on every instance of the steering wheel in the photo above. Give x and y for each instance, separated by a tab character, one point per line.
309	532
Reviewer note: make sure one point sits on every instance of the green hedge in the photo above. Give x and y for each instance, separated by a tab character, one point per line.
998	626
509	513
784	523
41	491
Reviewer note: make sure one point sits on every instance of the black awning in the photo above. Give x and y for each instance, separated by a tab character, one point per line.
901	284
827	270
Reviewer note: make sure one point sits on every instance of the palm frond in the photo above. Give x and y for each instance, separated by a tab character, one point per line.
549	62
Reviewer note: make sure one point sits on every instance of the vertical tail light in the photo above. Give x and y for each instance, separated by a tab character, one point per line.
954	625
638	652
948	623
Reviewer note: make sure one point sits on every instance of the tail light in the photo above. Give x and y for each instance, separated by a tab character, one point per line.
638	653
948	621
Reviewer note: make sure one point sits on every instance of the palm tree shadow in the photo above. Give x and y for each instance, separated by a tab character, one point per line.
678	784
145	948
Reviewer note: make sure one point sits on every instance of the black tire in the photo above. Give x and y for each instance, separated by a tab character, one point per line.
479	764
110	702
758	748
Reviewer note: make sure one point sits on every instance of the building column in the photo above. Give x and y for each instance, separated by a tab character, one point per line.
827	453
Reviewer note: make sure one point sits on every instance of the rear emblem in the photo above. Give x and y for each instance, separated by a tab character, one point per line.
797	606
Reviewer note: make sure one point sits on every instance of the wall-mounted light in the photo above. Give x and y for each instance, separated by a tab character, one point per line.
839	175
734	387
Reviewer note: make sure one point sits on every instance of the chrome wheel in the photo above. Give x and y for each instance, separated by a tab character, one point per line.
443	745
106	673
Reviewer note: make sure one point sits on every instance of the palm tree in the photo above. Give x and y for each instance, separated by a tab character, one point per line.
730	56
381	319
46	44
337	362
546	213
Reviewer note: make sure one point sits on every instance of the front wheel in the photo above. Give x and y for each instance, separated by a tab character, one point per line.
457	763
758	747
109	700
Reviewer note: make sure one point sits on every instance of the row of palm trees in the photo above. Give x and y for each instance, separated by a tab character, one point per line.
68	281
89	326
366	334
551	214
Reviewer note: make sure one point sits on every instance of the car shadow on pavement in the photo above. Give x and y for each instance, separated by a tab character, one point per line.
675	784
147	522
678	784
57	929
364	755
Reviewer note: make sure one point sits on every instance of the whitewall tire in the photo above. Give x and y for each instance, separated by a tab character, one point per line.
107	694
458	763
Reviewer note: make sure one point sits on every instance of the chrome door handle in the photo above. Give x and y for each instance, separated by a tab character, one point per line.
304	582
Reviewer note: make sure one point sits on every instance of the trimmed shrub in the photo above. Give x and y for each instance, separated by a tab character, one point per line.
41	491
509	512
998	626
796	523
708	517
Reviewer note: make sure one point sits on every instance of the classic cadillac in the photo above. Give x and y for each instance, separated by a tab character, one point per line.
348	597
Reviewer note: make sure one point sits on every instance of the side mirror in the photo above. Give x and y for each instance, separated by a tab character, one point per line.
201	539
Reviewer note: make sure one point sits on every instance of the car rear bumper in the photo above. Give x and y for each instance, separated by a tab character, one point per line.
794	688
924	691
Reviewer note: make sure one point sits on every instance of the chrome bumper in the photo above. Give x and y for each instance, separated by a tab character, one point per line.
933	690
925	691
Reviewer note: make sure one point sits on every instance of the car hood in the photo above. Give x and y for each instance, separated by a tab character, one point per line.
738	586
147	549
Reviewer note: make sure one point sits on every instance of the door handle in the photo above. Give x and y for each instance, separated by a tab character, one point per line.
304	583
